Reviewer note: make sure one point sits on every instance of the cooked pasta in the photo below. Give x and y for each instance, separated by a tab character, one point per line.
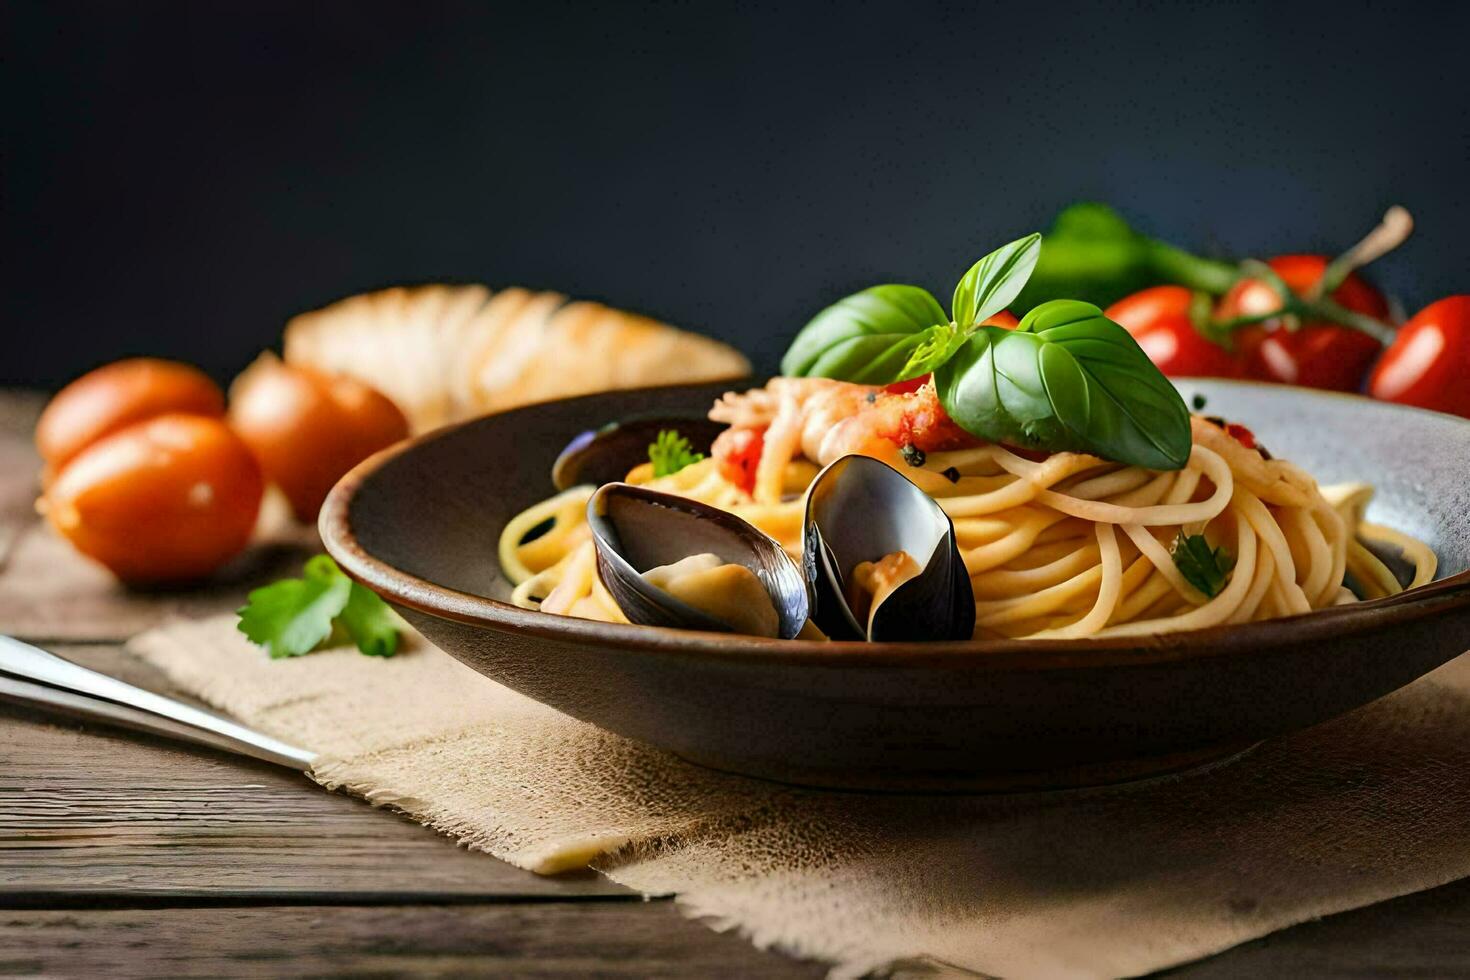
1063	545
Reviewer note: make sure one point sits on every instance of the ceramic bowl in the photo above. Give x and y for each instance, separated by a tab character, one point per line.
419	523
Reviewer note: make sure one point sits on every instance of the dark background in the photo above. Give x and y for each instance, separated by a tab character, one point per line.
180	178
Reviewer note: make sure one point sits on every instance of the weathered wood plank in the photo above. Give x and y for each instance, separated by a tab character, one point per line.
50	593
1422	935
92	814
631	939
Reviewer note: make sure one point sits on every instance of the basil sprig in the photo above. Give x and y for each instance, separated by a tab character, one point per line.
868	337
994	282
1067	379
893	333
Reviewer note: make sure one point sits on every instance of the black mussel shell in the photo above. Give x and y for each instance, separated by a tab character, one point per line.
635	529
605	455
860	509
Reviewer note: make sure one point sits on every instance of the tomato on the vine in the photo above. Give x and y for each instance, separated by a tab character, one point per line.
1428	364
1159	319
1317	355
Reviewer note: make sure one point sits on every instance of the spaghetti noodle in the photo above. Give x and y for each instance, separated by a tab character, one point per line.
1064	545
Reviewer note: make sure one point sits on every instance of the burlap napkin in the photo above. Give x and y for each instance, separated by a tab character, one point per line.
1092	884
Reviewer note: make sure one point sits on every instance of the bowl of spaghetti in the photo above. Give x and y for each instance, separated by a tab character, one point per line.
944	549
1337	570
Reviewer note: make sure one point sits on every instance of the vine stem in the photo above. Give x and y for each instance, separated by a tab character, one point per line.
1316	304
1295	310
1178	266
1389	234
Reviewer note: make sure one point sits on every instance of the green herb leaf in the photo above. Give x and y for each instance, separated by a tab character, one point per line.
878	336
1067	379
670	453
371	622
935	346
893	333
994	282
294	616
298	615
321	568
1203	567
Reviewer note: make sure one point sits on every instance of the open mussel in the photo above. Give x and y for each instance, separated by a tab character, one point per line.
881	559
606	454
652	548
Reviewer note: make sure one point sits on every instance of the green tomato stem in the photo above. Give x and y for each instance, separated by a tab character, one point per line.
1307	311
1179	266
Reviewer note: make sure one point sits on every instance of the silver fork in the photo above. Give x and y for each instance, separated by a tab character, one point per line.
32	676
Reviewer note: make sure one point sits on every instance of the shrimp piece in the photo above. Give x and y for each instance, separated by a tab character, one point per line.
769	425
758	407
824	420
893	420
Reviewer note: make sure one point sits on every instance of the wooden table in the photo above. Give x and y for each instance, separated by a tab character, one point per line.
124	855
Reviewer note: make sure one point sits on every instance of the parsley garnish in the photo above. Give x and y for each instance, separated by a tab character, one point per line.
670	453
1203	567
322	608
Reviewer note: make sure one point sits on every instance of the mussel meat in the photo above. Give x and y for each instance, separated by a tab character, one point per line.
606	454
637	531
881	559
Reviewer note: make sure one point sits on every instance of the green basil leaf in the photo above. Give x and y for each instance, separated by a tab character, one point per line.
936	345
1203	567
1067	380
994	282
868	337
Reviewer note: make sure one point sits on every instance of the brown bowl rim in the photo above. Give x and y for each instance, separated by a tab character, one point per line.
421	595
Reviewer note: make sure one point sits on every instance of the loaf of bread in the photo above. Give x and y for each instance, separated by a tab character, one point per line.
446	353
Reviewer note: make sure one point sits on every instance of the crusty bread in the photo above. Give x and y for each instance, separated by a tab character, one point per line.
445	353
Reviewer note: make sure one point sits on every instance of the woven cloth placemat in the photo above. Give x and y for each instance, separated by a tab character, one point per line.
1101	883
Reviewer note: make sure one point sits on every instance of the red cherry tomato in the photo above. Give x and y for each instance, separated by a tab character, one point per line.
1317	355
113	397
1428	364
904	387
738	453
1158	318
169	499
1241	434
307	428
